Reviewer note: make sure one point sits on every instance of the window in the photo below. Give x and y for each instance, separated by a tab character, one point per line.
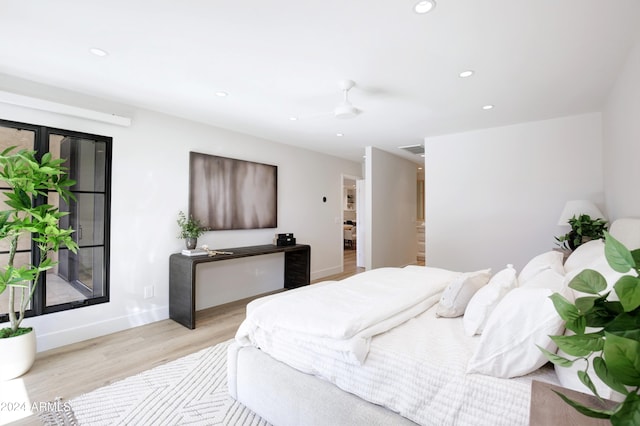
82	278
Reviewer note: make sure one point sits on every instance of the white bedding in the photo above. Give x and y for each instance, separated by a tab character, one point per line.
341	317
416	368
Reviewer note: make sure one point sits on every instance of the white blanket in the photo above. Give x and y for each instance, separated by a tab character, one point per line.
341	317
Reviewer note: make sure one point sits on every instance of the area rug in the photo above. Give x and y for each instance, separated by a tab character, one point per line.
188	391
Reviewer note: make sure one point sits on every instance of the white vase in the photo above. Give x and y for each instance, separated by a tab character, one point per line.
18	355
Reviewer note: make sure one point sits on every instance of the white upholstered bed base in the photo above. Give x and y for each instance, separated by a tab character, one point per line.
284	396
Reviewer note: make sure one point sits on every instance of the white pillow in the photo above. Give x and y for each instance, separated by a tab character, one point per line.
524	318
584	255
486	299
548	278
456	296
591	256
549	260
625	230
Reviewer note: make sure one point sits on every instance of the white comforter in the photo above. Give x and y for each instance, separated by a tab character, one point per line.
339	318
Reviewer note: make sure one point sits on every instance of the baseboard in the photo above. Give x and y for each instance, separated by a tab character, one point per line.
99	328
316	275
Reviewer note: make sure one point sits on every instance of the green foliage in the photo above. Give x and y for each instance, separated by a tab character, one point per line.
189	227
583	229
613	340
29	178
8	332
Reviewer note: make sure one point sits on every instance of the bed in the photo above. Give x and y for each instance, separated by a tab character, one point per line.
412	345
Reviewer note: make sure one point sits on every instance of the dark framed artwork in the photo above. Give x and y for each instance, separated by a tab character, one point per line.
227	193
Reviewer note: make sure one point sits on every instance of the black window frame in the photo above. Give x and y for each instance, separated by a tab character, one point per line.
41	146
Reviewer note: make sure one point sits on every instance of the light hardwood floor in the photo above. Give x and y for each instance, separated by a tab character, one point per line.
79	368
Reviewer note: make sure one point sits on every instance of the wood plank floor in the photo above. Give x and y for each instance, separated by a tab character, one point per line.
79	368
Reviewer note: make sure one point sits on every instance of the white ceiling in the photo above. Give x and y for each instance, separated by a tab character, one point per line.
533	60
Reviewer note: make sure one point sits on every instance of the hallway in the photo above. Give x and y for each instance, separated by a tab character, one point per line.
350	267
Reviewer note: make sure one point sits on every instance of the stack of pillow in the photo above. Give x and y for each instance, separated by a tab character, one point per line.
512	313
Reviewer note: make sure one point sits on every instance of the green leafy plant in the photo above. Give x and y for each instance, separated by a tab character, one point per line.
189	227
28	178
583	229
607	332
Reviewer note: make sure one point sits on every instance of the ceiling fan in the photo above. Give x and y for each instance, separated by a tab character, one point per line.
346	108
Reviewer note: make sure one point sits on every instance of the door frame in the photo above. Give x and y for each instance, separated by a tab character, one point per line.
343	178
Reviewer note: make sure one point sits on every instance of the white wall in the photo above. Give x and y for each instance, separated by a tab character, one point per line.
390	210
149	187
622	141
494	196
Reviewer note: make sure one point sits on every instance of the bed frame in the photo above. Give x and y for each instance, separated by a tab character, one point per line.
285	396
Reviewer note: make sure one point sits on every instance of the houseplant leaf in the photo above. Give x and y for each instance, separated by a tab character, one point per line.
621	356
579	345
566	309
625	325
629	412
586	304
636	256
628	290
600	367
569	313
586	380
589	281
591	412
618	256
602	313
556	359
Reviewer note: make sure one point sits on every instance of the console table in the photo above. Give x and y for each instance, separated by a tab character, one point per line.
182	275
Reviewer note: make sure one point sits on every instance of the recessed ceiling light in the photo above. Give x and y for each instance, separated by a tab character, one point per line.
98	52
222	94
465	74
486	107
339	135
424	6
292	118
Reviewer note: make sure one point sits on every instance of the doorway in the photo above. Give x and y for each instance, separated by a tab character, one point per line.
352	233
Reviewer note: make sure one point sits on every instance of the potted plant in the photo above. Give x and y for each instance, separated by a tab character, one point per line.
190	230
28	178
583	229
607	333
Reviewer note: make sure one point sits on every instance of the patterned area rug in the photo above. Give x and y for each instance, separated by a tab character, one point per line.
188	391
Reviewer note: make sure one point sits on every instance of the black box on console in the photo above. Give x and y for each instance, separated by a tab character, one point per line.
285	240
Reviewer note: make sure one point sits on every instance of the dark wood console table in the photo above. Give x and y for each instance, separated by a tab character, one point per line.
182	275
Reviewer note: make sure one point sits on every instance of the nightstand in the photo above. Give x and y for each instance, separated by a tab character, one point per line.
548	409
